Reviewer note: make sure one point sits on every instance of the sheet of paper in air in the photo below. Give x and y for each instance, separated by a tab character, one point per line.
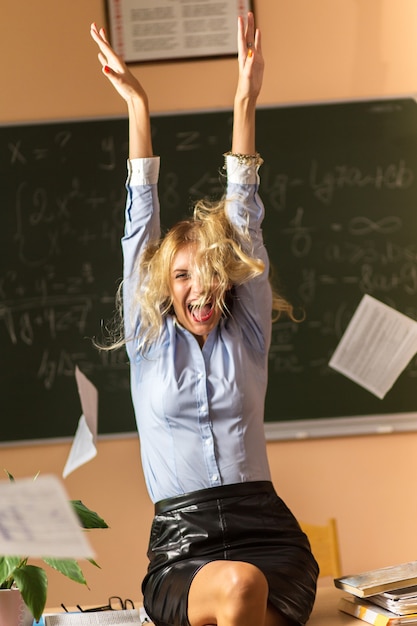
83	447
98	618
36	519
376	347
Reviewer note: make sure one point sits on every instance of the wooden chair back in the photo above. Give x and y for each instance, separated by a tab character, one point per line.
324	543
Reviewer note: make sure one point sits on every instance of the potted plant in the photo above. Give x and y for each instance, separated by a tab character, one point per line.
31	581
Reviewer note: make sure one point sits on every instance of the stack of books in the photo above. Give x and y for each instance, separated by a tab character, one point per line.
383	597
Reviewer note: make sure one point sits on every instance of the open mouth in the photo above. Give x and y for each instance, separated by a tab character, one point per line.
201	313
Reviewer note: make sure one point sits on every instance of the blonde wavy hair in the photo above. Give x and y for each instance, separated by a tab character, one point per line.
223	259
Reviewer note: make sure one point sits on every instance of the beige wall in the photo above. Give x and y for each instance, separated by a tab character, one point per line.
315	50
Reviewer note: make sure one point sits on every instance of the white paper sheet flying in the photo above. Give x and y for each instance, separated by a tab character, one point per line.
376	347
83	447
36	519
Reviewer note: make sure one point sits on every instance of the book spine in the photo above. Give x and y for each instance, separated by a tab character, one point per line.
365	613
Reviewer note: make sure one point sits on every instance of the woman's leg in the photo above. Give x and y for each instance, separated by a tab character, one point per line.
231	593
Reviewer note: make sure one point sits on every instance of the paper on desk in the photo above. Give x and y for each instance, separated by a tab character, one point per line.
36	519
376	347
97	618
83	447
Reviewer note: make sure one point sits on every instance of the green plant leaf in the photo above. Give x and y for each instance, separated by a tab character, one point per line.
7	566
12	478
32	584
87	517
67	567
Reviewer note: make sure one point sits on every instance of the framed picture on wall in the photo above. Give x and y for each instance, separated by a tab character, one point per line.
161	30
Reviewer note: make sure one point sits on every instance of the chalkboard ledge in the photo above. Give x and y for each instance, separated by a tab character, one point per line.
341	426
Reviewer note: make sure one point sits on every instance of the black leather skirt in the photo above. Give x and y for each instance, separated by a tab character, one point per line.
241	522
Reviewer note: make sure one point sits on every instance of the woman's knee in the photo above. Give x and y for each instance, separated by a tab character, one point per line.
244	582
231	592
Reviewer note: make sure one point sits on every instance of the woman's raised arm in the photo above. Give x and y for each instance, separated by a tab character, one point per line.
251	68
130	89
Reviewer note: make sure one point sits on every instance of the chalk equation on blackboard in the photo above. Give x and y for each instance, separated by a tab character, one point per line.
326	183
55	149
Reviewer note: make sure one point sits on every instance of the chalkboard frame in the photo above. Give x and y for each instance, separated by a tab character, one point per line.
282	429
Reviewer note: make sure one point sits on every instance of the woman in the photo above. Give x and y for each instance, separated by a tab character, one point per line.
197	305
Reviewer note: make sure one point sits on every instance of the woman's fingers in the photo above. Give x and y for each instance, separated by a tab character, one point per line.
106	55
250	30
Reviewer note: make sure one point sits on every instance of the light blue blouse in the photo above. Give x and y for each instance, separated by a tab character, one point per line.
200	412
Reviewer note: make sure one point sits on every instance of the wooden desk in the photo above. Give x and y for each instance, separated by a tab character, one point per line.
325	611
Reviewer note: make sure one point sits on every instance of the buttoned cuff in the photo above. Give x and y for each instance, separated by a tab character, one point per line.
143	171
240	172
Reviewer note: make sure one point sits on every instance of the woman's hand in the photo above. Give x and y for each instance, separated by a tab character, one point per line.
114	68
250	59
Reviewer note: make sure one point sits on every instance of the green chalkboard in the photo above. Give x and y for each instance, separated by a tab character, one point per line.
339	186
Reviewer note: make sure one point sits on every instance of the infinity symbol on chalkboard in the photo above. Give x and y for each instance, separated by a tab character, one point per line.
364	225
